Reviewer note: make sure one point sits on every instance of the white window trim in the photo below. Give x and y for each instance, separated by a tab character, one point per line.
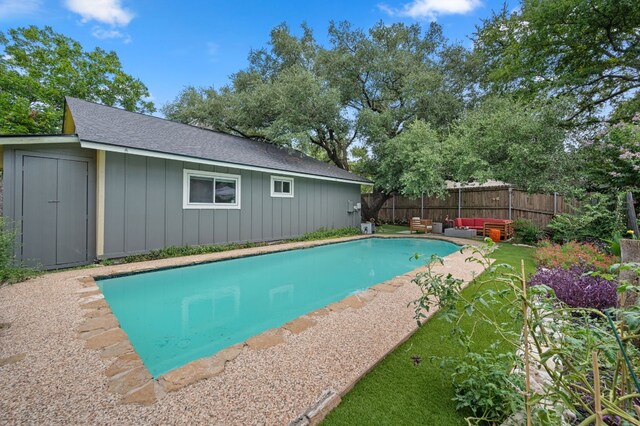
187	174
282	179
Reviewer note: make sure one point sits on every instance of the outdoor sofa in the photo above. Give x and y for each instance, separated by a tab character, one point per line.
484	224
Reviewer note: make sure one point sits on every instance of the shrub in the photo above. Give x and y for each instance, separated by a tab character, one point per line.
596	218
11	271
573	253
485	385
176	251
576	289
526	232
613	244
323	234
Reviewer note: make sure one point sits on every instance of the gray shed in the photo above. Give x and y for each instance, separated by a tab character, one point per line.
117	183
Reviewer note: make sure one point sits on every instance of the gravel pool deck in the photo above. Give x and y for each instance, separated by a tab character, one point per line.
47	376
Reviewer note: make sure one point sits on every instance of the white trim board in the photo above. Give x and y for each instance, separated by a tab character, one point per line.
154	154
38	139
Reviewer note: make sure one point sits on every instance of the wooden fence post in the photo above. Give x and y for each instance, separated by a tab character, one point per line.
460	201
631	215
510	201
393	210
555	203
422	206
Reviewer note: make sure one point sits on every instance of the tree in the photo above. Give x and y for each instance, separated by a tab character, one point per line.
346	101
512	141
38	67
612	159
586	51
413	162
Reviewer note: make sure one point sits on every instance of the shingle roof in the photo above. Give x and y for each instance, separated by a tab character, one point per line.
114	126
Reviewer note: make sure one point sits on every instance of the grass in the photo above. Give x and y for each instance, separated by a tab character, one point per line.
390	229
16	274
398	392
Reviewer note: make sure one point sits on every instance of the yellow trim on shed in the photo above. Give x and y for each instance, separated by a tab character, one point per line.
68	125
100	189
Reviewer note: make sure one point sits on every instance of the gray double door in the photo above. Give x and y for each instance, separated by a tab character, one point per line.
55	216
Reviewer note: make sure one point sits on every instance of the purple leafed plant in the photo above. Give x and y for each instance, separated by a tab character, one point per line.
576	289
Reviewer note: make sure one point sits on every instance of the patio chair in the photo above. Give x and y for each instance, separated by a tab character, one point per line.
417	224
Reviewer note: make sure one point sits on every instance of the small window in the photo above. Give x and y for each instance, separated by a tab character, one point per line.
208	190
281	187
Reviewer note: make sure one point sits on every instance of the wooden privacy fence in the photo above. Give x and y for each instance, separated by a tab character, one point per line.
495	202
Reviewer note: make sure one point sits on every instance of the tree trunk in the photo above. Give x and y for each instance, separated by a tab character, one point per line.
632	221
630	254
371	210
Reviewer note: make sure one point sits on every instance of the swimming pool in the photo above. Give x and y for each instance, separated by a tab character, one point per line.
174	316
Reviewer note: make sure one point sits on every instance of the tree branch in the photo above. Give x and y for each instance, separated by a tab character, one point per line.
367	99
601	101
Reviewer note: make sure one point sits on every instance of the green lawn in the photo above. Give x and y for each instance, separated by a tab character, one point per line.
397	392
390	229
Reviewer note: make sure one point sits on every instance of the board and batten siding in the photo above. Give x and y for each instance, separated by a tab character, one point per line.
144	211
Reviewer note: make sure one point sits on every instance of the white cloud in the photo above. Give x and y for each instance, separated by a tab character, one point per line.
103	34
421	9
212	51
12	8
105	11
108	12
386	9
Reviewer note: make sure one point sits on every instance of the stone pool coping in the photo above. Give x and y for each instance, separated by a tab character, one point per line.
129	382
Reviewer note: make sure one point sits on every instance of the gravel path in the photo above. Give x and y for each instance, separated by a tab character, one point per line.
59	381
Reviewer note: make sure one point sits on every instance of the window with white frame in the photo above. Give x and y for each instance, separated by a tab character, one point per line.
281	186
210	190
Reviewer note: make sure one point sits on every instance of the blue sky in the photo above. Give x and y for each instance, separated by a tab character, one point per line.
171	44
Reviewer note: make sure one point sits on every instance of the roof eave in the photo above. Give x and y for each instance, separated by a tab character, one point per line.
158	154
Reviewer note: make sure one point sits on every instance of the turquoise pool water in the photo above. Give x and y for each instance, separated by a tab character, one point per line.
174	316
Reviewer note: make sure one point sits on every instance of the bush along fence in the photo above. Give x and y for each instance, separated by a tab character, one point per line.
500	202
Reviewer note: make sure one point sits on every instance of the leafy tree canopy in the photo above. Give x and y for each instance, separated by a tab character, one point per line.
586	51
414	162
344	102
512	141
38	67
